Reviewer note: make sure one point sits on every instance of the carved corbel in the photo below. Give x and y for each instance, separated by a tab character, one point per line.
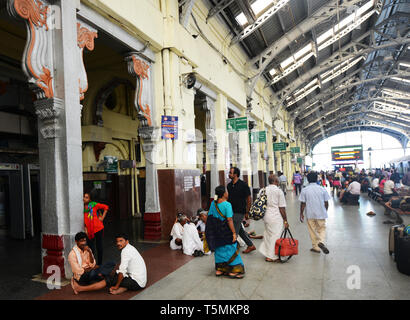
38	56
141	70
48	112
85	39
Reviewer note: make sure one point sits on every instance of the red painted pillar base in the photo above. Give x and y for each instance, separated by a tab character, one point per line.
152	226
54	255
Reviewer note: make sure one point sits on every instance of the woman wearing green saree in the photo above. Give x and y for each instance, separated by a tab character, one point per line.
227	259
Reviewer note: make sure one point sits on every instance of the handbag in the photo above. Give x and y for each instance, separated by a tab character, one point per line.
258	207
286	247
217	232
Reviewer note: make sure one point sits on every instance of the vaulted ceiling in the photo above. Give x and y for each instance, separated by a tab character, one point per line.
335	65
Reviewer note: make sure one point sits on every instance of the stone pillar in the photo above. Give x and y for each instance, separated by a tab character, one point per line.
53	72
211	143
144	104
152	215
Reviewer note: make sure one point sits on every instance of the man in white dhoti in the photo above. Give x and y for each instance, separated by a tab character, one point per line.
185	236
275	219
191	243
177	233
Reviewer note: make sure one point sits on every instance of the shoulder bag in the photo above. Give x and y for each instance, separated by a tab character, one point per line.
258	207
217	231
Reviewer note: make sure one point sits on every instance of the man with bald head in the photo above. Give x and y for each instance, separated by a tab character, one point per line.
275	219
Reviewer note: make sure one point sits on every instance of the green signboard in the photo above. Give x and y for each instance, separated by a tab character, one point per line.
257	136
295	149
280	146
237	124
300	160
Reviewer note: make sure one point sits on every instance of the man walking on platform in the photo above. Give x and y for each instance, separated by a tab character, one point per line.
240	199
283	182
315	199
297	181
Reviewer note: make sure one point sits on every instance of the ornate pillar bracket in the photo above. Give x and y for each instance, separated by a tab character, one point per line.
37	60
140	69
48	112
85	39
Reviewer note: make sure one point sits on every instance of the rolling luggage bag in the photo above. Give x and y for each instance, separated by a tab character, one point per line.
395	232
403	254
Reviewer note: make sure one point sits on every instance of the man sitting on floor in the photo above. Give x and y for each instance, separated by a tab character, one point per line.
131	274
352	190
83	265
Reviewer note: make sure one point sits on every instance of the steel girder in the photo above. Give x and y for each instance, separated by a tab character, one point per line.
350	51
257	23
264	59
400	107
386	118
219	7
348	82
356	123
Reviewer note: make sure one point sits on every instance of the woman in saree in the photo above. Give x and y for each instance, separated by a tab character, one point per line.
227	259
93	225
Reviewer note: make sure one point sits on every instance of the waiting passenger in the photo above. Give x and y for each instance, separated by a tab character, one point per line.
353	190
131	274
83	265
177	232
93	224
389	190
185	236
191	243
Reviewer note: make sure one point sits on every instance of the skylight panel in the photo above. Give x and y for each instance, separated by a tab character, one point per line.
241	19
259	5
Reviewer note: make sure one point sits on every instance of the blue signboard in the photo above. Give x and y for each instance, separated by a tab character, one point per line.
169	127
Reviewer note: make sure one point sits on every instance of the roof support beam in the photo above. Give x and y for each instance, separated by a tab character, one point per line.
349	51
319	16
257	23
218	8
186	12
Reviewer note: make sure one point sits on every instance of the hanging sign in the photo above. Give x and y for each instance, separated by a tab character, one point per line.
280	146
257	136
169	127
236	124
295	149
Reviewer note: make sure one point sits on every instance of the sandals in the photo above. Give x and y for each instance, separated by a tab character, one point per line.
220	274
236	276
274	261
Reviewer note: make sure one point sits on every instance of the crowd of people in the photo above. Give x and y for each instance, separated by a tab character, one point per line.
230	206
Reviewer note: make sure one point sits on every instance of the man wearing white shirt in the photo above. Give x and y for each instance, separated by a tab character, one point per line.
353	189
314	199
131	273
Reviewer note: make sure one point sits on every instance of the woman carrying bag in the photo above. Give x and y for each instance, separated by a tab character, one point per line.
221	237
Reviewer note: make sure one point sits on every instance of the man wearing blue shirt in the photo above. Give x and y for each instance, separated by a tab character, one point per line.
315	199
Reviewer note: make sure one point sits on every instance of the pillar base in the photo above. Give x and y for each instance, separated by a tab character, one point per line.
54	257
152	226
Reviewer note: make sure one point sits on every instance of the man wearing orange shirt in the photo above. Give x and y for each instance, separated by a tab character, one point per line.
83	265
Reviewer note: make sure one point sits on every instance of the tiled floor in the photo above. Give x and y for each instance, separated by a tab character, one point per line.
354	239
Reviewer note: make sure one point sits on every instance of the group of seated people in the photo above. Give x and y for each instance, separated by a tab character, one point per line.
190	235
383	187
129	274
